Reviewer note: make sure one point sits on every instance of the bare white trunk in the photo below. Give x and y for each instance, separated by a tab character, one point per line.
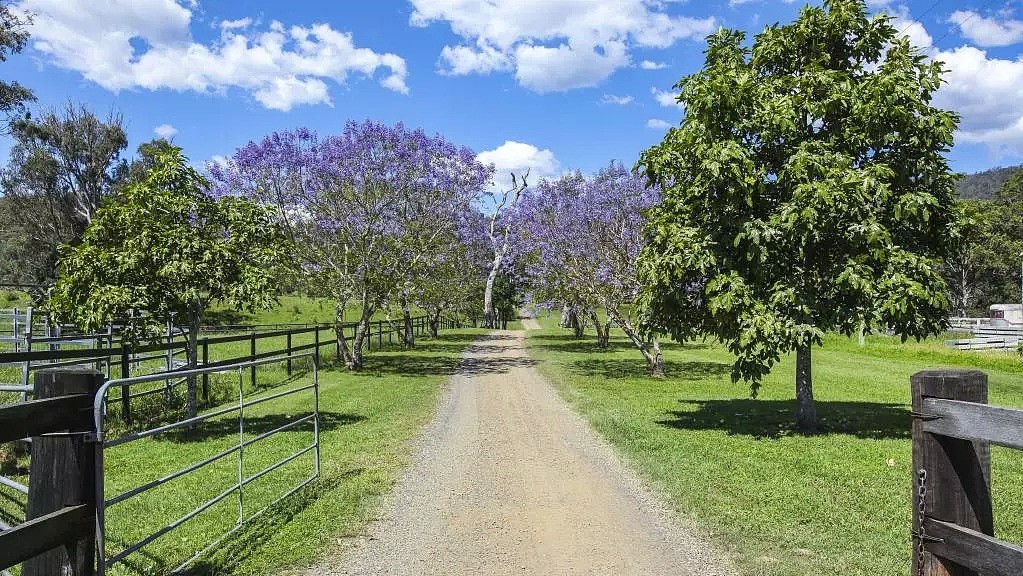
499	240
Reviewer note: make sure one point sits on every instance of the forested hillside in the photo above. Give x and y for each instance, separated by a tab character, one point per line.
983	185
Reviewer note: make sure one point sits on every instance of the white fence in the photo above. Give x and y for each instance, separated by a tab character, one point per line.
987	335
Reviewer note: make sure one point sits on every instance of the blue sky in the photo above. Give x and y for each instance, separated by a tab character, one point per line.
547	84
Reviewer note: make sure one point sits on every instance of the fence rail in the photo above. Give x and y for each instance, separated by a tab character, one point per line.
238	489
69	531
953	522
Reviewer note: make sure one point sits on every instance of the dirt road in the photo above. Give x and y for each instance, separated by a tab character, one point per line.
507	479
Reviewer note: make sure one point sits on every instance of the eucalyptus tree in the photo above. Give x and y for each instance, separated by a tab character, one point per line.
13	37
805	190
62	165
580	239
367	209
500	237
166	247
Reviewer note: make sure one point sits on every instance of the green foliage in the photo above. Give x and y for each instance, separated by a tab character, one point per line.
806	189
13	36
984	185
166	247
984	267
62	165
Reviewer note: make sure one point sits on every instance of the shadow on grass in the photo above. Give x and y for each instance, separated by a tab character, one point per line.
414	363
256	425
636	368
773	419
237	547
588	344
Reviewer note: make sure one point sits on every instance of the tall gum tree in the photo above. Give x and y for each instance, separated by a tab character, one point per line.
805	190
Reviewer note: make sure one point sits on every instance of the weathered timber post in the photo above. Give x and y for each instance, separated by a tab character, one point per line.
63	472
956	473
316	346
252	356
125	392
206	375
288	352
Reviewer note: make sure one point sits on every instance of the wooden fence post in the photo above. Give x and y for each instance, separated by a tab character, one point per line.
63	474
316	347
125	393
252	355
956	473
206	375
288	352
380	333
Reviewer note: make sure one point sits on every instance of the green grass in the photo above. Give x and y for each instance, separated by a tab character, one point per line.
780	502
368	419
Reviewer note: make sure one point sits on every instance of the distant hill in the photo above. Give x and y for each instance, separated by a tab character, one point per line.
983	185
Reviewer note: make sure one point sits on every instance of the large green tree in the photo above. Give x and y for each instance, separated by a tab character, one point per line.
62	165
805	190
984	267
165	247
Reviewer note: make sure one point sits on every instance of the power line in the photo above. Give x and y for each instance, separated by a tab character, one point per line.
917	19
973	13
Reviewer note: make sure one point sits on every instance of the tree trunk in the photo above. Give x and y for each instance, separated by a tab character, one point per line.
435	323
656	361
574	321
191	352
350	360
361	330
488	293
651	351
806	411
863	331
603	330
566	316
408	338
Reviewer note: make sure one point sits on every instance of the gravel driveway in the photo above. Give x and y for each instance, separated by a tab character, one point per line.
507	479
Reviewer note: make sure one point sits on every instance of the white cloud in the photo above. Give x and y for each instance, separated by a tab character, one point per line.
658	124
651	65
282	67
165	131
544	69
987	32
241	23
983	90
553	45
665	98
617	100
463	60
517	157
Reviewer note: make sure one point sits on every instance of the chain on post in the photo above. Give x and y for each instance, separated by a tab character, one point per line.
921	511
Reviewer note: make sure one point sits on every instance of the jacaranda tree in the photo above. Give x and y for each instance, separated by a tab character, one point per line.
805	190
368	209
579	240
164	250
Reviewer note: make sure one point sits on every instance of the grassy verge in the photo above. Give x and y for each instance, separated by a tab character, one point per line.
780	502
367	421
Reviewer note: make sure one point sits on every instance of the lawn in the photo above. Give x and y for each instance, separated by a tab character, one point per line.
781	503
367	422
